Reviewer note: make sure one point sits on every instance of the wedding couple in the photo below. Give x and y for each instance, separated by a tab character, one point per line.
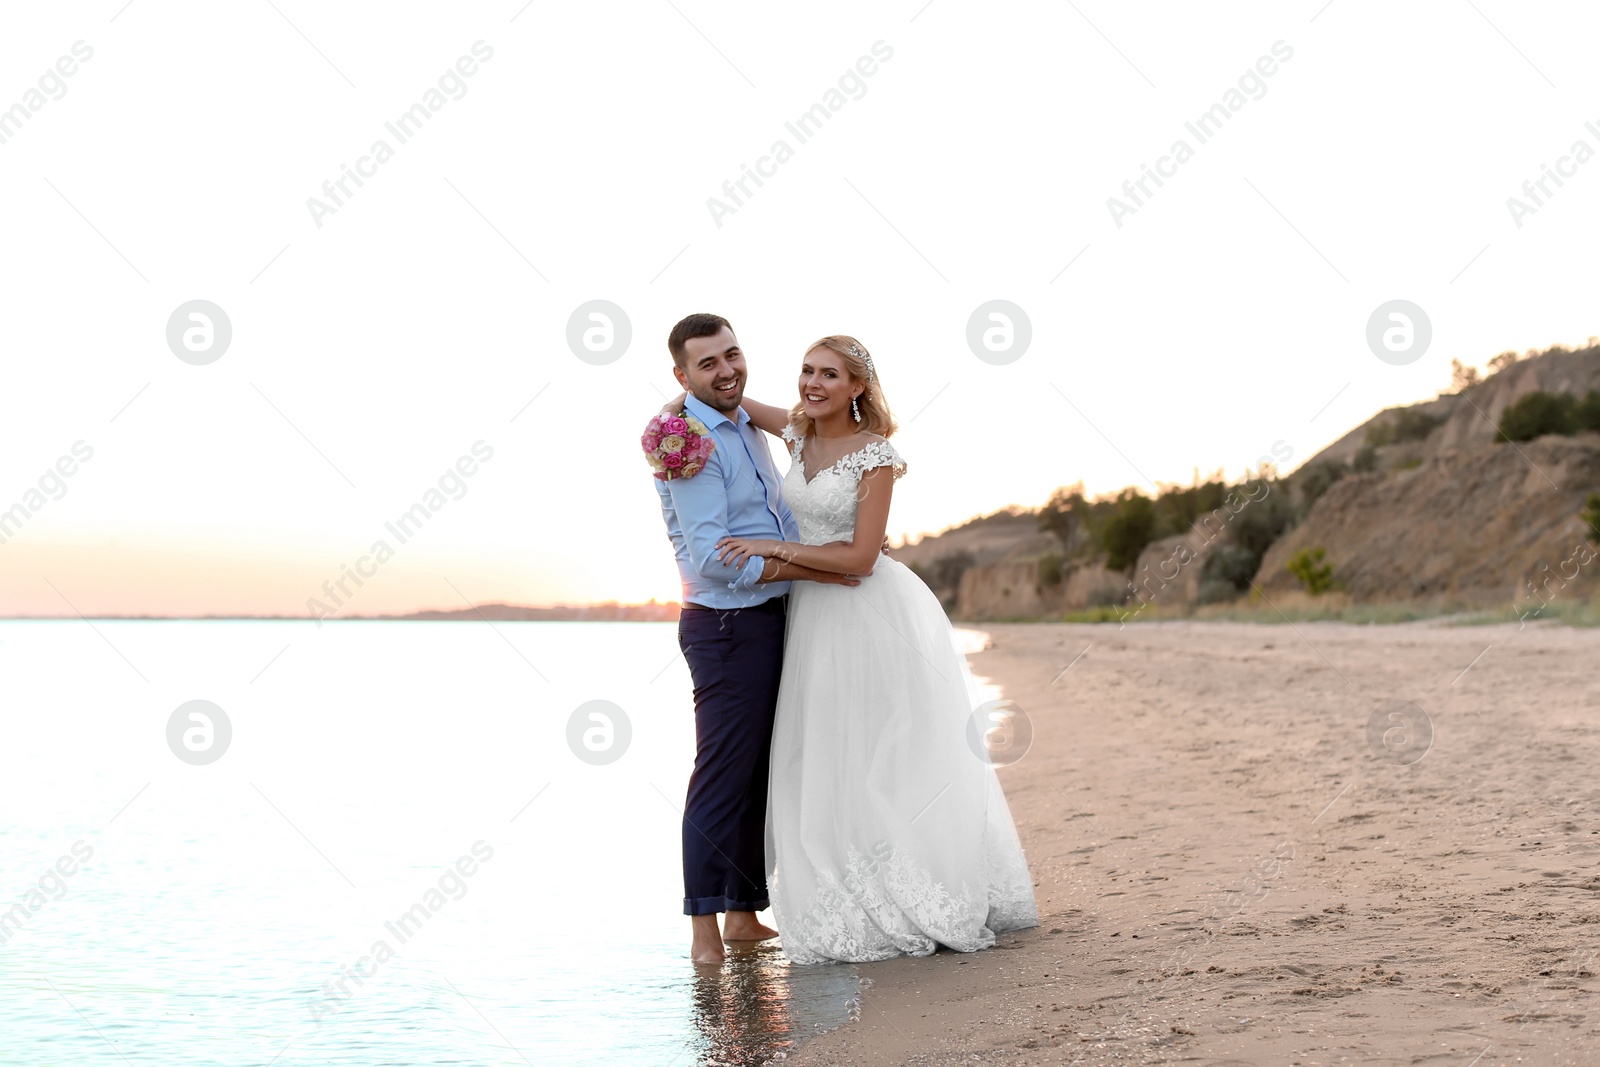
827	670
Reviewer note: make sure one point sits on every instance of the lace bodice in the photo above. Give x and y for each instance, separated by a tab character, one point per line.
825	507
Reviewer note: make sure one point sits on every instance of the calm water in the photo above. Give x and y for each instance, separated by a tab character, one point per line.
397	858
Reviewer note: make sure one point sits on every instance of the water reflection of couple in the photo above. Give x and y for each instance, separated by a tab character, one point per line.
758	1005
812	653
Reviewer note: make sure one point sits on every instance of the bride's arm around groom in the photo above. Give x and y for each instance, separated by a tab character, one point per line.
700	505
855	556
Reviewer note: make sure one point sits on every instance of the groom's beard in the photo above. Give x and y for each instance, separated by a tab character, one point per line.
717	401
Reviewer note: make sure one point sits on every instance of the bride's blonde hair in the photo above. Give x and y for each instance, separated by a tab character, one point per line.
875	415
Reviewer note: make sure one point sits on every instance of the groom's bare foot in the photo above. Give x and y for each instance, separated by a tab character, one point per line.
742	926
707	944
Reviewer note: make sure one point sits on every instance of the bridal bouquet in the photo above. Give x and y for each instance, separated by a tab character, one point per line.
677	446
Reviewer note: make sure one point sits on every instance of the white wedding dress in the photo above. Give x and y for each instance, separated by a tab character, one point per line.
886	833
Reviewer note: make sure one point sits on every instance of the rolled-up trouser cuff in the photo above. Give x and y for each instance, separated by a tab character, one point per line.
713	905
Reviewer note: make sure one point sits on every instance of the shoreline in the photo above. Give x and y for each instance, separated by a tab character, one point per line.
464	615
1231	867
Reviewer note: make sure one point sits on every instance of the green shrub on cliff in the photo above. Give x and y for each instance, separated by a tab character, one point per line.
1050	571
1315	479
943	575
1314	576
1404	425
1121	525
1586	413
1226	573
1263	521
946	571
1232	564
1118	527
1591	516
1538	414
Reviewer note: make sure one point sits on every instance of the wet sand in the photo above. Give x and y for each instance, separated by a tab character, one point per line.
1232	869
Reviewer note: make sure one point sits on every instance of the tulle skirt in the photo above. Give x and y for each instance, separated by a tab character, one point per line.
887	832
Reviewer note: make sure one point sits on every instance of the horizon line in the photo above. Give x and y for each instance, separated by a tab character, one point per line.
417	615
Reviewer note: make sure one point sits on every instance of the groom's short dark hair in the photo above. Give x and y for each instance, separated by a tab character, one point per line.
699	324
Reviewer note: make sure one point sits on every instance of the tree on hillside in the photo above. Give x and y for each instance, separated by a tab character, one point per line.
1066	517
1506	359
1263	522
1178	508
1232	564
1502	361
1129	528
1462	376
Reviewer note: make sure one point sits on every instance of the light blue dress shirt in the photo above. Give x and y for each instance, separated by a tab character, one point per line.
737	494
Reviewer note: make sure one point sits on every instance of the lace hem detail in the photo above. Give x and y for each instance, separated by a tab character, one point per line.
885	905
1012	905
880	906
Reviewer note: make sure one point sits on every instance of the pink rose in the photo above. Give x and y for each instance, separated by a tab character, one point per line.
675	425
650	441
672	460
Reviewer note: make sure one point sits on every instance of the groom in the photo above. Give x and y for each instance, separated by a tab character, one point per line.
731	633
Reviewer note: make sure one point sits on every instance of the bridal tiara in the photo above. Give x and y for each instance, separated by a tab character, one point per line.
860	353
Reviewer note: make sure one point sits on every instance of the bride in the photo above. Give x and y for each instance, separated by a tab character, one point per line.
886	833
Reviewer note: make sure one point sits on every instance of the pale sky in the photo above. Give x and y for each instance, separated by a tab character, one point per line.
973	164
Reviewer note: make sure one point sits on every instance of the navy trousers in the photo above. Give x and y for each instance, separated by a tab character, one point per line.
735	658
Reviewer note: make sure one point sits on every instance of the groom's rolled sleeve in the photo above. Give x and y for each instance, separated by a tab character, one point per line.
702	506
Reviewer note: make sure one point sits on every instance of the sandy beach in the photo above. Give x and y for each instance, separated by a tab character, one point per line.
1231	868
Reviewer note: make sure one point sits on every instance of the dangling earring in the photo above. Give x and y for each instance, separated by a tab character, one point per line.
855	410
